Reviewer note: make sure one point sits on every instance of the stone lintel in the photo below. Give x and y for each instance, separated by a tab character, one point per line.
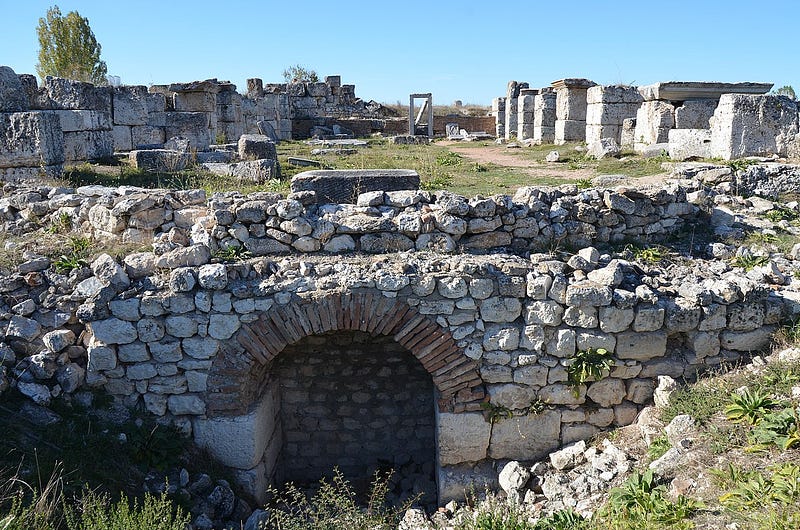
528	92
573	82
209	85
685	90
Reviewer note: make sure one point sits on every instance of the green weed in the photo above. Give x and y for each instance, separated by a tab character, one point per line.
588	365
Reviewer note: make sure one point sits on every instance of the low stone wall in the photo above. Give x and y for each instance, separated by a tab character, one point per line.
267	223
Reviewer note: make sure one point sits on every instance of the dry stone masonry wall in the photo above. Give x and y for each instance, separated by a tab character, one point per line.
212	347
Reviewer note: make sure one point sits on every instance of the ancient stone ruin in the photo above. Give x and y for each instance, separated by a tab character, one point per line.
362	322
684	119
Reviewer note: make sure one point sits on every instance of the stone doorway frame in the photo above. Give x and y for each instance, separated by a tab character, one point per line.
427	108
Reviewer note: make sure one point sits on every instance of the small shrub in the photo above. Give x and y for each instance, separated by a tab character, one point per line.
97	512
749	406
448	158
588	365
334	506
749	262
495	514
567	519
584	184
495	413
233	254
658	447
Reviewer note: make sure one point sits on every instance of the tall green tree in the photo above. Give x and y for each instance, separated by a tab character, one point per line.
68	48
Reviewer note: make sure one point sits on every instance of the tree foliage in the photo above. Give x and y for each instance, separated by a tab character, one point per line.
300	74
68	48
786	90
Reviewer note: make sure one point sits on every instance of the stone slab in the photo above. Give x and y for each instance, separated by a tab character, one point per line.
344	186
689	143
684	90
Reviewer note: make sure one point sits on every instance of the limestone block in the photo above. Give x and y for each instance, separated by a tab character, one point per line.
571	104
12	93
607	392
130	105
594	339
569	131
747	125
238	441
186	405
595	133
30	139
59	93
500	309
610	113
561	343
648	318
159	159
641	345
528	437
256	147
695	114
83	120
147	135
747	340
689	143
88	145
194	126
453	481
654	119
462	437
613	94
545	312
113	331
122	137
199	101
558	394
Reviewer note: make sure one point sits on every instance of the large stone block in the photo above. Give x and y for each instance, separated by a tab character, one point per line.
195	101
122	137
344	186
147	135
689	143
462	437
654	119
159	159
528	437
88	145
569	131
239	441
83	120
613	94
746	125
256	147
641	346
695	114
595	133
12	93
131	105
62	93
194	126
30	139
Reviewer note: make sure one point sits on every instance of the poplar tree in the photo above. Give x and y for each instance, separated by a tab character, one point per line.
68	48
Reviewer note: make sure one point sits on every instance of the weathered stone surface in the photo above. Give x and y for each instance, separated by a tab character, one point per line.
746	340
23	328
256	147
641	346
344	186
12	93
528	437
746	125
113	331
607	392
30	139
500	309
462	437
186	405
689	143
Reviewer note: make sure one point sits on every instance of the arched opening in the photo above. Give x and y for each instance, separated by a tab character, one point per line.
360	403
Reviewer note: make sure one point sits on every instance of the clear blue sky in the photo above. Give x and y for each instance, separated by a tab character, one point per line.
464	50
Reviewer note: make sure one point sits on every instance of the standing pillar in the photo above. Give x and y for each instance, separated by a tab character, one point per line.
571	109
544	117
499	113
512	94
525	106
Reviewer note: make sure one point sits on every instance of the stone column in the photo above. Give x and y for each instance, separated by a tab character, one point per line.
499	113
608	106
512	94
654	119
525	108
571	109
544	117
230	122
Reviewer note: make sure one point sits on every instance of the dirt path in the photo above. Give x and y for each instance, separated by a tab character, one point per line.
500	156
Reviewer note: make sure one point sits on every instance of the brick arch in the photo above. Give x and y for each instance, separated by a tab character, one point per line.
244	361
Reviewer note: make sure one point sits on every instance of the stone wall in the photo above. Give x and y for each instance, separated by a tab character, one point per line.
206	344
607	108
357	402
